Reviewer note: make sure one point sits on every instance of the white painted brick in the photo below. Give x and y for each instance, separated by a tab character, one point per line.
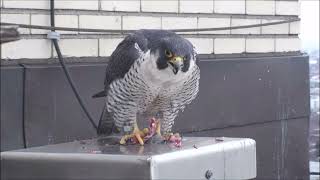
78	47
159	6
214	23
41	20
287	8
243	22
123	5
100	22
275	29
141	22
77	4
107	46
229	6
26	48
288	44
199	6
202	45
229	45
259	45
179	23
19	19
261	7
295	27
30	4
70	21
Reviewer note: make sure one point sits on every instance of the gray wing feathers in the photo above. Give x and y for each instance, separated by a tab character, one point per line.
122	59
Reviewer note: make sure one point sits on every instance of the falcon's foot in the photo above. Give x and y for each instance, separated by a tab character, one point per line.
135	137
154	135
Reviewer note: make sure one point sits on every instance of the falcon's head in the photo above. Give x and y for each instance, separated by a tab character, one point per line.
174	52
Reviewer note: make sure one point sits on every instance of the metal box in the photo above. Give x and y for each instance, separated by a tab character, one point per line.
103	158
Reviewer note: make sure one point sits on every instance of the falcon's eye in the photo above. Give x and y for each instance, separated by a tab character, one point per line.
168	53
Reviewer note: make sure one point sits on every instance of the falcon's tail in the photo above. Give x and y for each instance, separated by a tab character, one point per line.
100	94
106	123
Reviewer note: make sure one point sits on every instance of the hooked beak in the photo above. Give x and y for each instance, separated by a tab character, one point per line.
176	62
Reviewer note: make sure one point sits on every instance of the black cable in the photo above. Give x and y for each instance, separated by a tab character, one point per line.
66	71
24	126
52	19
129	31
314	173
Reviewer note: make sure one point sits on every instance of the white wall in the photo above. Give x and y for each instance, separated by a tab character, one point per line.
168	14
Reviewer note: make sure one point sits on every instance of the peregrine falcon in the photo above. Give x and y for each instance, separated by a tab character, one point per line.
150	72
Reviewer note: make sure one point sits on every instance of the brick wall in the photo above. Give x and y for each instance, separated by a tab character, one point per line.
168	14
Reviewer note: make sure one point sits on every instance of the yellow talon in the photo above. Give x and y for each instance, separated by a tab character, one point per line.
138	134
125	138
